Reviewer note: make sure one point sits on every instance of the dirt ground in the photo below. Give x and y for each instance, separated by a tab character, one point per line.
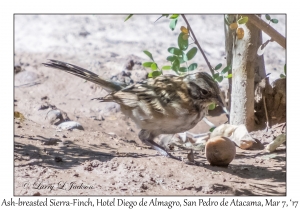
107	158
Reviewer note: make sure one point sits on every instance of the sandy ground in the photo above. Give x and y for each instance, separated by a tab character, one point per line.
107	158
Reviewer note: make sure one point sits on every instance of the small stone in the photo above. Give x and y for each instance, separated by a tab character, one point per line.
44	98
51	142
58	159
69	126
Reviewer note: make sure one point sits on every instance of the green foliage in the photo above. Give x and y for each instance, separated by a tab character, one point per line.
243	20
226	69
191	53
212	129
163	15
228	76
173	23
178	55
218	66
149	54
154	74
175	51
284	70
176	65
273	20
219	76
193	66
154	66
183	69
147	64
129	16
182	43
212	106
166	68
174	16
171	58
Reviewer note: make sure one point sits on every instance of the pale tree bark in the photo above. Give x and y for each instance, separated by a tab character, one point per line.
244	61
229	36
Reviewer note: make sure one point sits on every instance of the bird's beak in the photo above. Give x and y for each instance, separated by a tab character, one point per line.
219	101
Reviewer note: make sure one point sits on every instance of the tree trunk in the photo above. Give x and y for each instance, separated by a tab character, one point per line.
229	36
243	69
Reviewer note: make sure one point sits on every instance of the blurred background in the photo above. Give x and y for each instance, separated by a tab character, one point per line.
101	42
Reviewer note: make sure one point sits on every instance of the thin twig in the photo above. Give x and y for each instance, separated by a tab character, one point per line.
266	112
198	45
265	27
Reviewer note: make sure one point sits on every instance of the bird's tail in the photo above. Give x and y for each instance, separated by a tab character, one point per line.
108	85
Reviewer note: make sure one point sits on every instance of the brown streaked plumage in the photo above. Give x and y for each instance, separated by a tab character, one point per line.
167	104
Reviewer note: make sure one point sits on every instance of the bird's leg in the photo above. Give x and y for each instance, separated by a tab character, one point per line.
148	138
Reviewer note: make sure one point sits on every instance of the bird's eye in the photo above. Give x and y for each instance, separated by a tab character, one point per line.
204	92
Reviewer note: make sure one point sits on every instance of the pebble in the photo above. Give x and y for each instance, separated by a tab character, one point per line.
53	115
69	125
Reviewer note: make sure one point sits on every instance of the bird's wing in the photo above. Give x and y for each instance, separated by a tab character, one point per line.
162	95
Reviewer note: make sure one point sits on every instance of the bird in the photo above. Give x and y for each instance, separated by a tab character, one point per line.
167	104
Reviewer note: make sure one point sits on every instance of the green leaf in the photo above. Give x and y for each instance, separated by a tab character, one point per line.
282	76
220	78
229	76
284	69
163	15
268	17
193	66
156	74
173	23
212	106
216	75
175	51
174	16
274	21
147	64
212	129
166	68
182	44
218	66
171	58
191	53
243	20
129	16
149	54
153	66
175	65
183	69
226	69
184	57
150	75
181	60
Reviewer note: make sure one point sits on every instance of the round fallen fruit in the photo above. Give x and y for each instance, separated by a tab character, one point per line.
220	151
